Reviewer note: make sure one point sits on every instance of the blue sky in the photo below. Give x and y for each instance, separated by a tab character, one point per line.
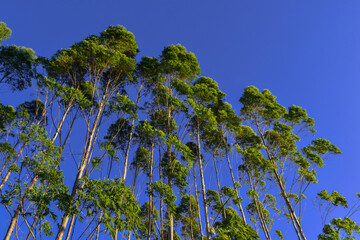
306	53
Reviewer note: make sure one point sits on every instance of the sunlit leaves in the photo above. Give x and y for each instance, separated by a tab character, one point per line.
17	66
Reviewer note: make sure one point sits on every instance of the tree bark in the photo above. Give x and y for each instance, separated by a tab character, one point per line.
150	192
130	138
198	205
203	188
90	142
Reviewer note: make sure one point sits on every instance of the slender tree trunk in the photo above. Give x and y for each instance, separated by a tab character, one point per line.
161	201
218	185
279	182
259	210
133	192
70	227
16	215
81	169
233	178
62	121
130	138
150	194
190	211
6	178
168	151
198	205
32	227
31	185
208	233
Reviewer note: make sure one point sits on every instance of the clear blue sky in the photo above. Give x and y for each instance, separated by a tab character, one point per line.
306	52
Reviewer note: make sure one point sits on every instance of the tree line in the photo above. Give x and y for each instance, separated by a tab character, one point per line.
112	147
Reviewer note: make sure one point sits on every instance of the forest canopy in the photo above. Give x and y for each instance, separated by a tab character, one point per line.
115	146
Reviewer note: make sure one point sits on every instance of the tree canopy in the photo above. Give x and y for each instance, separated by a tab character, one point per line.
112	146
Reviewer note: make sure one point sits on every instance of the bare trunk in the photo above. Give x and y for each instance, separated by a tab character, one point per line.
218	185
81	169
70	227
190	211
198	205
98	227
15	218
133	192
150	194
168	151
62	121
32	228
130	138
161	201
208	233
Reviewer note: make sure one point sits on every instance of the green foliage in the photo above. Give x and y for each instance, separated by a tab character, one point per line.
263	103
7	116
167	193
335	198
279	234
233	227
118	134
33	111
17	66
143	232
5	32
186	213
119	207
174	170
177	62
340	229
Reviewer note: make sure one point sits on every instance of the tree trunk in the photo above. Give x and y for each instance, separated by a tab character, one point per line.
279	181
190	210
208	233
233	178
81	169
150	194
198	205
161	201
70	227
15	218
259	210
168	151
130	138
219	188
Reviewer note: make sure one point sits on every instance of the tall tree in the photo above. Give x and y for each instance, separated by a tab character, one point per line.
279	130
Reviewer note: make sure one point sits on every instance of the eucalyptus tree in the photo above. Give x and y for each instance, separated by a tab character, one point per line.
147	136
107	61
337	228
147	75
202	122
186	214
86	87
40	161
17	64
280	131
227	121
177	66
254	174
227	223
